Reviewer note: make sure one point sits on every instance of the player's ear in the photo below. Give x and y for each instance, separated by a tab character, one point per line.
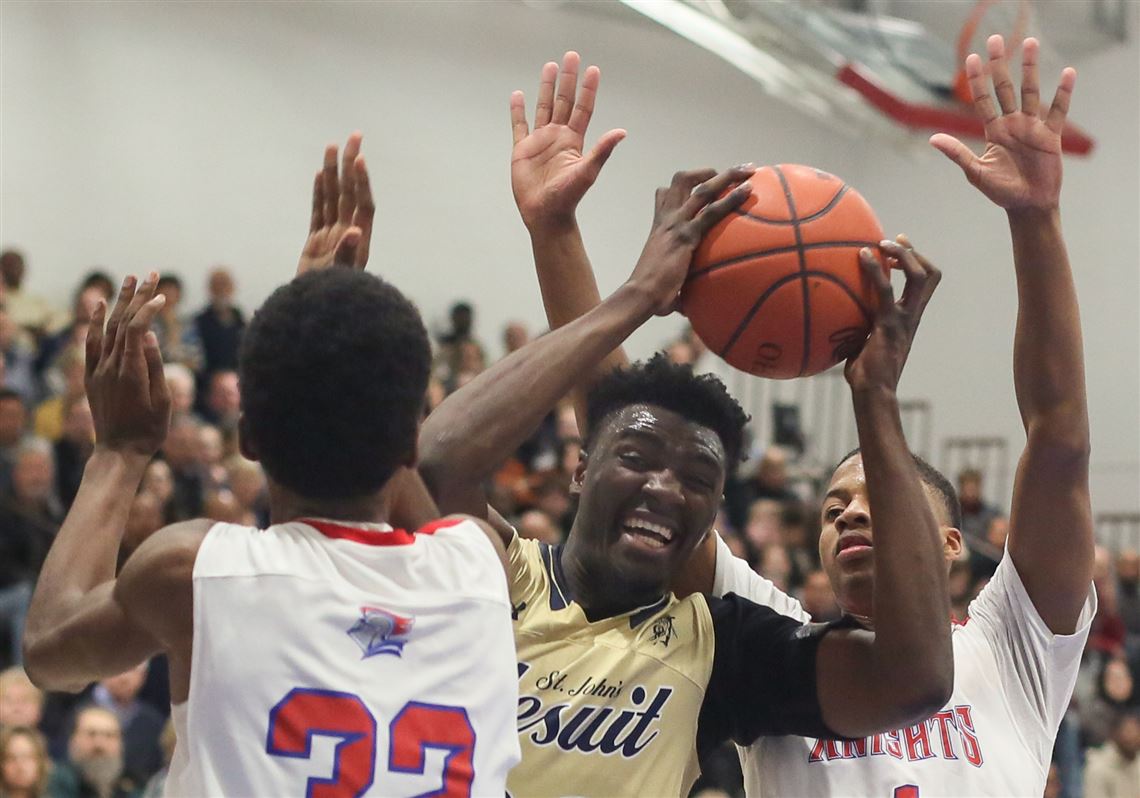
579	474
952	543
245	440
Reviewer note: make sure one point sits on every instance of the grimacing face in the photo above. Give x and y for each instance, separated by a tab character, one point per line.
650	489
846	535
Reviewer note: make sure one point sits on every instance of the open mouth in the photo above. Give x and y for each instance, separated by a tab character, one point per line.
852	545
650	534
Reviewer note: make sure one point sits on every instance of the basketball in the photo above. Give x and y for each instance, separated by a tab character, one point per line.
776	288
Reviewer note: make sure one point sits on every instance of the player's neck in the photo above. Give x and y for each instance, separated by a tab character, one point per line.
285	506
599	592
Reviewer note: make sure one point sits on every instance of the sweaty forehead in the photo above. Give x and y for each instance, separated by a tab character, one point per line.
668	426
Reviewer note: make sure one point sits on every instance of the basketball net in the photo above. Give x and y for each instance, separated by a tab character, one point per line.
961	85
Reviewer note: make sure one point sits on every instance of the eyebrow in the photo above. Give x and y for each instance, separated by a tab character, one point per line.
704	453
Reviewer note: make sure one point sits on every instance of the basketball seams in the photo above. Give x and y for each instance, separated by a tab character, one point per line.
809	218
803	265
764	253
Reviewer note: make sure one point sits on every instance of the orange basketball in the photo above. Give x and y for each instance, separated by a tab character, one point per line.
776	288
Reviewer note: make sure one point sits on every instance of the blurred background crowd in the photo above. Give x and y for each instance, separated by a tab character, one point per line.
114	739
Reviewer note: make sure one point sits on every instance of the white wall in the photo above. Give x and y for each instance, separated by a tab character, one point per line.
179	136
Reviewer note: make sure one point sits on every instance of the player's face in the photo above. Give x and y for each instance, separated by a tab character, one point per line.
846	536
650	491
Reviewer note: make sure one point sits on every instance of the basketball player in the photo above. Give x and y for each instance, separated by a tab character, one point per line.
621	683
330	653
1016	659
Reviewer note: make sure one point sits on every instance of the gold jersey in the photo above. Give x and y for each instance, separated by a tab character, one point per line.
620	706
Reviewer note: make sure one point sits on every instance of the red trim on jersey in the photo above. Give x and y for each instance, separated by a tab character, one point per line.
434	526
369	537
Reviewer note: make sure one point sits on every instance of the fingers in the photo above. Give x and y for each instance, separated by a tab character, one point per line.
681	187
715	212
602	151
921	275
159	391
584	105
345	254
983	103
346	203
545	106
519	129
873	271
94	348
126	293
710	189
1030	88
317	221
331	187
1055	121
139	326
365	212
135	322
999	73
567	83
957	152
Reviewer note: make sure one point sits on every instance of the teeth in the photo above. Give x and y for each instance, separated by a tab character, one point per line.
657	529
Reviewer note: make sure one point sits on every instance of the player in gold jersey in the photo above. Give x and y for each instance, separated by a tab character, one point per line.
621	684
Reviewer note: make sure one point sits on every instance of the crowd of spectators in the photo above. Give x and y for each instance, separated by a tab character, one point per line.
115	739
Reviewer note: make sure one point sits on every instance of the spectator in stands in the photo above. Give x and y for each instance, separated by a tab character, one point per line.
182	451
775	566
158	481
770	481
1108	632
247	481
762	527
818	598
976	514
1114	693
24	763
94	764
21	702
18	352
73	333
29	311
220	324
986	552
1113	770
145	518
177	337
1128	595
450	354
141	723
48	417
211	453
13	429
73	448
183	391
166	741
223	400
32	489
515	337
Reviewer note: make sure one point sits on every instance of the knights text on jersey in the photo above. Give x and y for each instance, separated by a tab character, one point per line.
348	659
1012	682
621	705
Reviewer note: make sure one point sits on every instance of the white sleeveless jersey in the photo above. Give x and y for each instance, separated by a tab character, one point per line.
344	660
1012	682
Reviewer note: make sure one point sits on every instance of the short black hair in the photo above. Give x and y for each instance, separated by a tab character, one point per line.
169	279
703	399
96	278
930	476
334	369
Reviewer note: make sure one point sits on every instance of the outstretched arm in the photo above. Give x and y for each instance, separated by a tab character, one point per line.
1051	528
475	428
340	227
77	630
904	670
550	173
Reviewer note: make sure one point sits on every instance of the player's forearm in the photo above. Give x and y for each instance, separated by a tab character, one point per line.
469	435
1049	373
912	652
569	291
84	552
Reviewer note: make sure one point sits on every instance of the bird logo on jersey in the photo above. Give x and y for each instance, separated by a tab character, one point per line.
379	631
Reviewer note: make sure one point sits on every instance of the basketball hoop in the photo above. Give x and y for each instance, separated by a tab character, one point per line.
961	86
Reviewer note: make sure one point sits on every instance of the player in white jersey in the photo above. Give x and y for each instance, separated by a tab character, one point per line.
330	654
1017	656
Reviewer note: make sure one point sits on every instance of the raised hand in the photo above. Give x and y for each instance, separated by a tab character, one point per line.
124	379
340	231
880	362
549	172
685	211
1020	168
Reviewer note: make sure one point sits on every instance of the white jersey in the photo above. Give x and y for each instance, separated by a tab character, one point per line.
1012	682
333	660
